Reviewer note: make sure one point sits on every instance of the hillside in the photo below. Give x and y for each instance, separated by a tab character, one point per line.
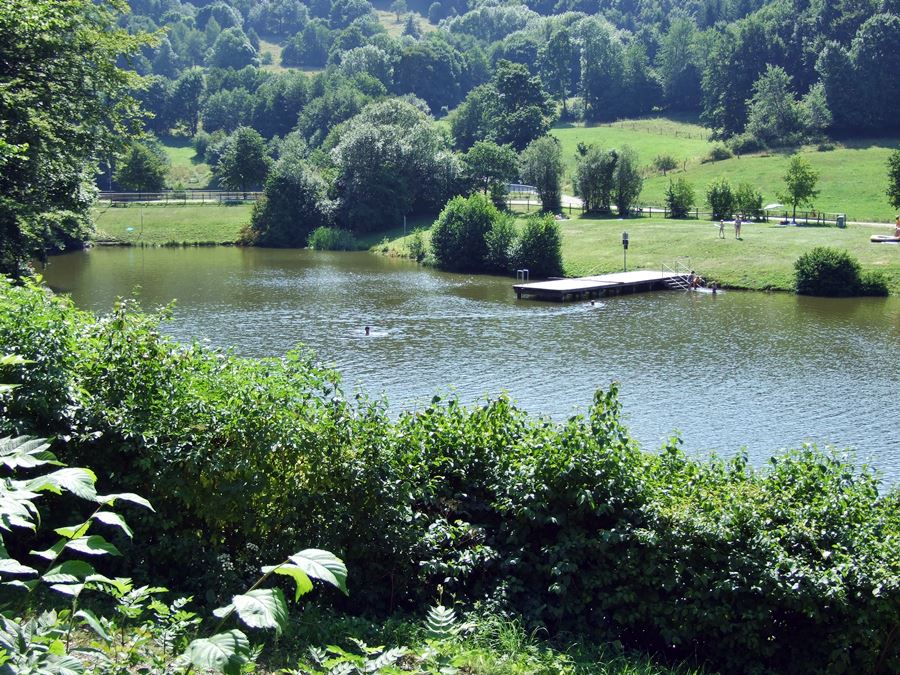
853	174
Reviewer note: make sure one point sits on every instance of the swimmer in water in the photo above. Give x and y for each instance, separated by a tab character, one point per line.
367	330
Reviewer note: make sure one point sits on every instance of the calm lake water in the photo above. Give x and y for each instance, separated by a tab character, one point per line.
755	370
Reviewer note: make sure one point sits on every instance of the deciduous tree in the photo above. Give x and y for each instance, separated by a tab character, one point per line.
64	102
541	166
799	184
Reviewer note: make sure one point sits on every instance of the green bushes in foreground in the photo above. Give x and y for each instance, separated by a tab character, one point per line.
794	567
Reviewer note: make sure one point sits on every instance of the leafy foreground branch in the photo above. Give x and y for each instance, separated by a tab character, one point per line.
792	567
44	644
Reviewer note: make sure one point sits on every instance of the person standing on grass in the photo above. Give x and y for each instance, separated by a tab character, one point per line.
737	227
722	229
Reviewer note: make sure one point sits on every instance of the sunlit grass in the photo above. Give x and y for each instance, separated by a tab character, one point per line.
157	224
186	169
853	176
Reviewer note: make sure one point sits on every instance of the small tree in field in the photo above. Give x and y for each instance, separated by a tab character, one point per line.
542	166
679	197
799	184
720	198
628	180
893	191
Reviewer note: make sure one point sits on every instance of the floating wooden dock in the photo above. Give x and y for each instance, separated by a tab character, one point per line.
602	285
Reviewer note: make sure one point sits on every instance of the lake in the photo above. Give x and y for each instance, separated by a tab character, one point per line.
736	370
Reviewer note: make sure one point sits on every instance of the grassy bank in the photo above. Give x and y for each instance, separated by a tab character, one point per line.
762	259
157	225
853	175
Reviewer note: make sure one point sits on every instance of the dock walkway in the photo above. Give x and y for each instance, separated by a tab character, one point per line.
599	286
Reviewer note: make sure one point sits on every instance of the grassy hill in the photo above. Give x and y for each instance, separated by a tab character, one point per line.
853	175
157	224
186	169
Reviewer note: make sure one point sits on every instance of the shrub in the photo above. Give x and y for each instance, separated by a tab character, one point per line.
664	163
458	237
416	248
539	248
748	201
720	198
717	154
325	238
743	144
790	568
501	244
873	283
827	272
679	197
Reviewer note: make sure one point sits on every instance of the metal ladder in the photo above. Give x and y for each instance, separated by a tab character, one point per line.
681	267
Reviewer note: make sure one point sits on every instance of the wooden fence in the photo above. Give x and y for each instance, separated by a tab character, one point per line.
178	197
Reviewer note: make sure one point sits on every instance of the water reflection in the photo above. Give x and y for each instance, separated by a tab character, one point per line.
765	371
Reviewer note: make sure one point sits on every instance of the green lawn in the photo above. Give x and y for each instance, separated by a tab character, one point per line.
763	258
171	224
186	169
395	28
853	176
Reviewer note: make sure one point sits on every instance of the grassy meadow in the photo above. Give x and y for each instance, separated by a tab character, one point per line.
186	169
852	176
763	259
395	28
156	225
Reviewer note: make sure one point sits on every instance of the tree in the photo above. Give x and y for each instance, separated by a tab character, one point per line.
776	116
294	204
524	107
799	183
679	197
64	103
186	100
893	191
488	164
602	70
748	201
245	163
720	198
458	238
541	165
594	178
411	27
628	180
232	49
677	65
398	7
142	169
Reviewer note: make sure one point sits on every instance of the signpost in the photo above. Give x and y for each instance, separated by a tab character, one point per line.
624	251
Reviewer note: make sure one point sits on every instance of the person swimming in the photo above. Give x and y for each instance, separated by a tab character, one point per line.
367	330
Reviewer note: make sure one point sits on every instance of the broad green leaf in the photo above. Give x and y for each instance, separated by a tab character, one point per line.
121	584
24	452
92	545
13	566
69	572
301	580
51	553
80	482
27	585
222	612
109	500
114	519
224	652
65	665
68	589
91	620
74	531
323	565
262	608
